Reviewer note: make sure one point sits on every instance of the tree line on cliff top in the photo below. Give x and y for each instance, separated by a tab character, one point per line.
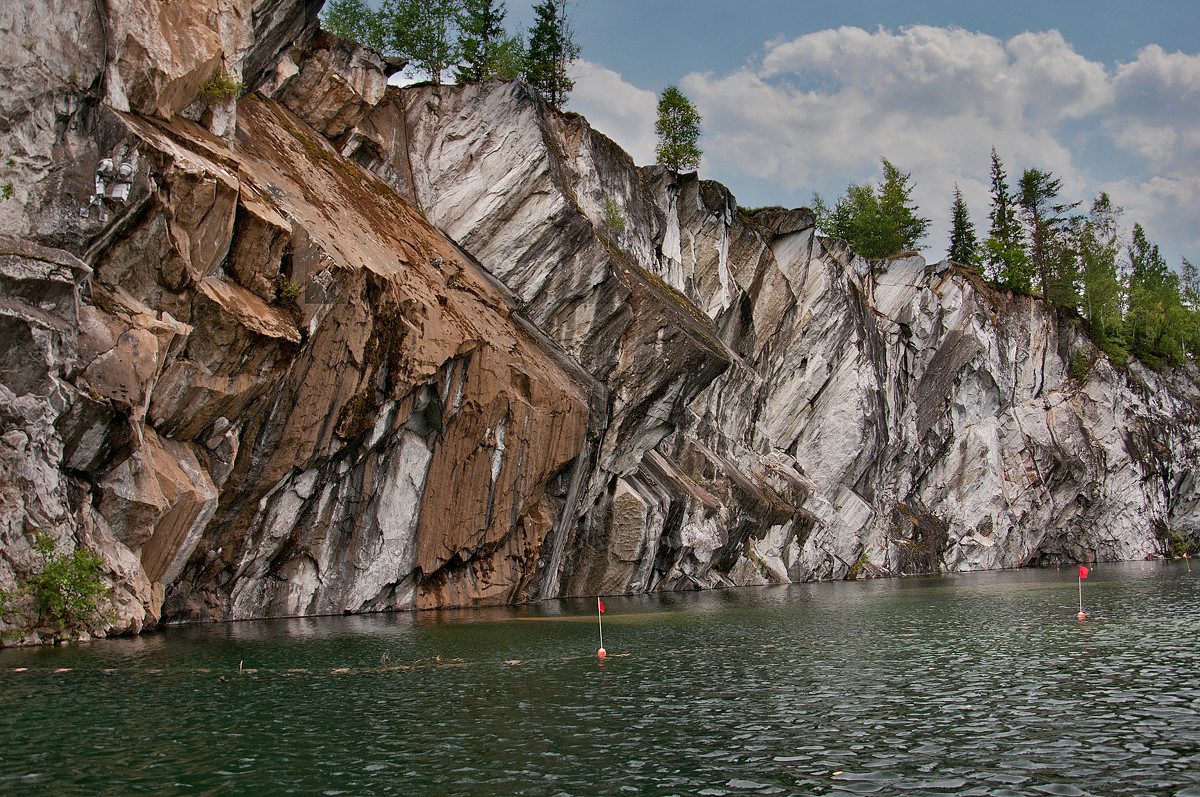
465	38
1082	263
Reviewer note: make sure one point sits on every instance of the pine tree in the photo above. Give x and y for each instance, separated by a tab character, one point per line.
1004	250
551	50
963	245
480	36
678	129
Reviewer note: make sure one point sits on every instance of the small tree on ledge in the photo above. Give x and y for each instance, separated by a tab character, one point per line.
678	129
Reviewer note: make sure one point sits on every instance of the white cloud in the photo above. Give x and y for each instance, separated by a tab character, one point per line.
823	109
1155	144
1166	207
1056	82
817	112
1156	109
620	110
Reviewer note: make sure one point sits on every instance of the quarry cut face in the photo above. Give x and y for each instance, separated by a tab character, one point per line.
326	345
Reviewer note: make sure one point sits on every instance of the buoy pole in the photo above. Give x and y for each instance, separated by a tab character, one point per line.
1083	572
600	624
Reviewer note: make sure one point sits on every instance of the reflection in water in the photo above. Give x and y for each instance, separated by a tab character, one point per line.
968	684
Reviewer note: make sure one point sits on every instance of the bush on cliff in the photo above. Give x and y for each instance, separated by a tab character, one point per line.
69	589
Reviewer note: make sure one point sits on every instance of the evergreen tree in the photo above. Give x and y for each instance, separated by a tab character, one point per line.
898	212
875	222
551	50
1004	250
480	37
678	129
963	245
1046	219
1156	324
1098	244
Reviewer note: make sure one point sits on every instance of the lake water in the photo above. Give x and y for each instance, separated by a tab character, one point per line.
970	684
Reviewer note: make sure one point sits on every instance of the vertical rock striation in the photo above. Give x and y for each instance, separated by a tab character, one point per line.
882	418
336	346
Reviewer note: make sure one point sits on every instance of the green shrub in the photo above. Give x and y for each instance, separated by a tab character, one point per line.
1079	367
68	586
221	87
10	601
288	291
1181	544
612	216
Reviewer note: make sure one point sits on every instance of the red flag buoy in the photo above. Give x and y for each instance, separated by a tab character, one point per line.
599	611
1083	573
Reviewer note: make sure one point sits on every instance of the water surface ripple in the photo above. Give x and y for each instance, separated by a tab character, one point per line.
980	684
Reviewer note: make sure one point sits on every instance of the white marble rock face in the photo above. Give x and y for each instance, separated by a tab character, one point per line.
337	346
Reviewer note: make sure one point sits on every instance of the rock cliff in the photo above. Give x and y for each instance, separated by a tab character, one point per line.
315	344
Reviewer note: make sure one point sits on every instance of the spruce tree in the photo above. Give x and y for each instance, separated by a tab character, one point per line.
963	245
903	228
875	222
480	36
678	129
551	50
1004	250
1046	220
1156	319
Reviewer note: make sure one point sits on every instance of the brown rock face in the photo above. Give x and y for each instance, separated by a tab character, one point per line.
521	186
336	346
281	391
396	433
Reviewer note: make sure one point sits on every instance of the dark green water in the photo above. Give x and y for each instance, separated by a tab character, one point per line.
975	684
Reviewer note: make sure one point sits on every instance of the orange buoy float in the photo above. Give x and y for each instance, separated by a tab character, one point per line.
600	653
1081	616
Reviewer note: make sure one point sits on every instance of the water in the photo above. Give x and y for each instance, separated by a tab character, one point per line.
973	684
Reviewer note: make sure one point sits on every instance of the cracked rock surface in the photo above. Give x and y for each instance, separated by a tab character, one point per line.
335	346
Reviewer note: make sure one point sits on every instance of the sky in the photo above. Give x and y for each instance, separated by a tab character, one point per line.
800	98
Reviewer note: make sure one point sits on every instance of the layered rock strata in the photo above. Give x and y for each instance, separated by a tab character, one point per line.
336	346
882	418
